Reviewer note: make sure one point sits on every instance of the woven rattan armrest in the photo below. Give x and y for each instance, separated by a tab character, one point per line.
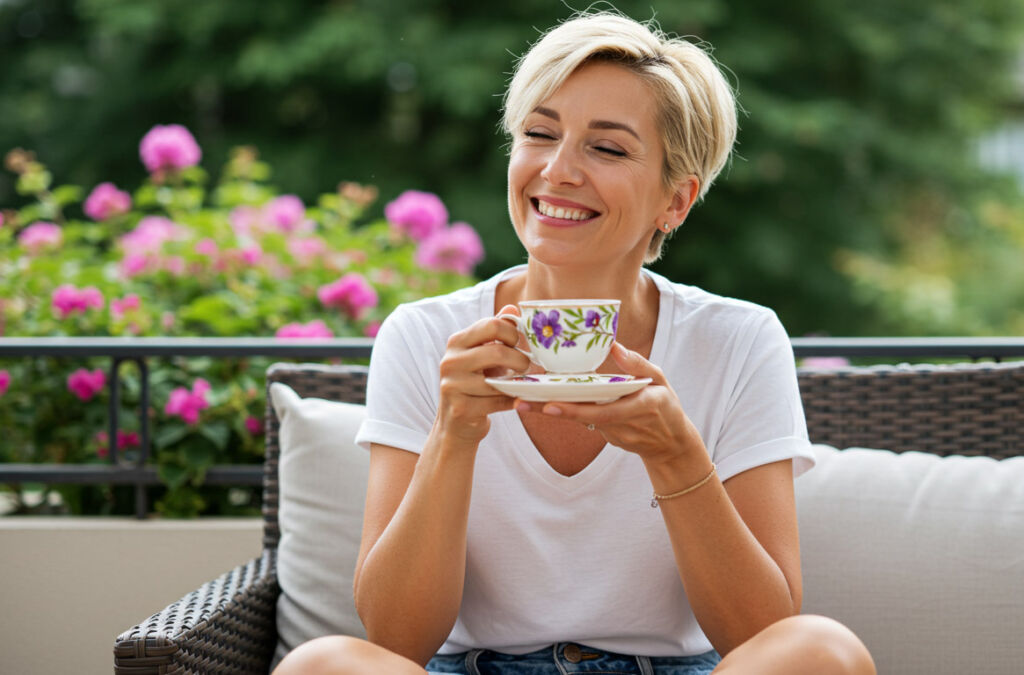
225	626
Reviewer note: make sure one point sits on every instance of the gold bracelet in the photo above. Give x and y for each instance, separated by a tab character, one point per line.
655	498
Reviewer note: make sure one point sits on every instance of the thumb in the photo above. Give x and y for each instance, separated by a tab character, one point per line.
632	363
509	309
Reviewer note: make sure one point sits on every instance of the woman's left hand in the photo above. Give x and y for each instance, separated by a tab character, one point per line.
650	422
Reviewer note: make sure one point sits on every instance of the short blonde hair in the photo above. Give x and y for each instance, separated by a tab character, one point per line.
696	106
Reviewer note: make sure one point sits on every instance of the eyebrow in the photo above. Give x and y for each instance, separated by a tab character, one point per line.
594	124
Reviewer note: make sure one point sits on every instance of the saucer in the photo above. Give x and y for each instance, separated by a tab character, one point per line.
581	388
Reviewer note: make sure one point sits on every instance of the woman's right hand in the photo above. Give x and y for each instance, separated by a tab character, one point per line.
485	349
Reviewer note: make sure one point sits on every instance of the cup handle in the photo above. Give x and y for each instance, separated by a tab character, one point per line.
520	324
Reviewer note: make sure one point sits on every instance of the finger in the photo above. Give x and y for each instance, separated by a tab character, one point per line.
475	407
485	330
634	364
584	413
621	409
482	359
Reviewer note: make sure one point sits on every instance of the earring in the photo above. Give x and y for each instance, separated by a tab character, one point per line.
666	227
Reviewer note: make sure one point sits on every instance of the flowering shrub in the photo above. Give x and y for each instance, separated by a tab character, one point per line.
178	257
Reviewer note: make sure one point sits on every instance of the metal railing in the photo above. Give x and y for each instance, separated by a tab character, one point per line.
138	350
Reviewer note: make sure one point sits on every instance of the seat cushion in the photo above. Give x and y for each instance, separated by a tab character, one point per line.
922	556
322	475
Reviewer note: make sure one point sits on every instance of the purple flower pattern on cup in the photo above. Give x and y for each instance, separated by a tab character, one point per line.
546	327
553	330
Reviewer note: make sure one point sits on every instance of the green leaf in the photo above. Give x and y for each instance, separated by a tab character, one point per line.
67	194
172	475
218	433
168	434
199	453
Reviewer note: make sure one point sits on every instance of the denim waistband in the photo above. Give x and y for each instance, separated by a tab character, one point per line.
564	658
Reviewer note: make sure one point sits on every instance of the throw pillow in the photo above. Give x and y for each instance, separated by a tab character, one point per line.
322	477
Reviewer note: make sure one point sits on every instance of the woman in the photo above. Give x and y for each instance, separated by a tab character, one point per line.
502	536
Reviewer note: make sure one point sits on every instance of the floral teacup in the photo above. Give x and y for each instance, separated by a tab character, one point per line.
568	336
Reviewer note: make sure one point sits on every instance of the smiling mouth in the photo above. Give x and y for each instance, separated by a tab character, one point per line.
562	212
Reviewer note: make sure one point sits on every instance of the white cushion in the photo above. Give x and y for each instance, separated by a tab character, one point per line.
922	556
322	478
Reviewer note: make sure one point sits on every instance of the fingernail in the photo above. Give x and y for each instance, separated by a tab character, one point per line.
552	410
523	407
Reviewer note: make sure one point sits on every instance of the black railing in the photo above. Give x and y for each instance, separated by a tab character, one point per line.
138	350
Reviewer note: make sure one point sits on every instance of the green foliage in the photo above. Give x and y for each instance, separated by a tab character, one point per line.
185	260
853	110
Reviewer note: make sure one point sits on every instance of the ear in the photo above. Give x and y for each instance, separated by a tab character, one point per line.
682	201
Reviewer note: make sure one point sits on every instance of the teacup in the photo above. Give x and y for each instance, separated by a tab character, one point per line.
568	336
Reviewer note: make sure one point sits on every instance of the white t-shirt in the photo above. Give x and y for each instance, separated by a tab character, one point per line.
585	558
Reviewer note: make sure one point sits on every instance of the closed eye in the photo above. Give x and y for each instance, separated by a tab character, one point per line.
537	134
611	151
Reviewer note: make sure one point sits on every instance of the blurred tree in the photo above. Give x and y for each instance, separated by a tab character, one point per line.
856	116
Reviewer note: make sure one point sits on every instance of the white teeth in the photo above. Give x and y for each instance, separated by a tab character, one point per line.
562	213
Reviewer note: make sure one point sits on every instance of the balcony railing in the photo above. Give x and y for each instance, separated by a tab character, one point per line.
137	350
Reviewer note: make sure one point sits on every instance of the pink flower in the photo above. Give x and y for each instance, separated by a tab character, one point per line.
286	213
118	308
417	214
134	264
106	201
85	384
254	425
372	329
245	220
306	250
101	444
313	329
38	237
251	255
167	320
5	381
174	264
207	247
125	439
67	299
825	362
150	235
187	404
352	294
457	249
169	147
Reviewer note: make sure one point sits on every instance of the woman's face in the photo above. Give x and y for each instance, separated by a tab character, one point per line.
585	172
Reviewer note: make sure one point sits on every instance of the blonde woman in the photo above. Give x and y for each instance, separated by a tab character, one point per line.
518	538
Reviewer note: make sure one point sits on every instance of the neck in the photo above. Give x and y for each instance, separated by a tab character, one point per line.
542	282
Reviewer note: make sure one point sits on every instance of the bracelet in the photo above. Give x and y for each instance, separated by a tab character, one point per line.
655	497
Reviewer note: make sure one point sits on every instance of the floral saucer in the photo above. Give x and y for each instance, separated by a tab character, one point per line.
582	388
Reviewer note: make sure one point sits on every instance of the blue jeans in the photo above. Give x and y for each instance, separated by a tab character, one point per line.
568	657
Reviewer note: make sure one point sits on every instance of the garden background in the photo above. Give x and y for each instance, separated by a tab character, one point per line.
859	201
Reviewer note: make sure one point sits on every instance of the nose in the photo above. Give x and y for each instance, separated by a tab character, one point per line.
562	167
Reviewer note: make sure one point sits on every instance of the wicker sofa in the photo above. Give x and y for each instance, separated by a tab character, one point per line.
228	625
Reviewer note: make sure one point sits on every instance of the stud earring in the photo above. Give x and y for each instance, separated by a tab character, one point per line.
666	227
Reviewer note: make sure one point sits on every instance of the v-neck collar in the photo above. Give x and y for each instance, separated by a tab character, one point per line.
525	449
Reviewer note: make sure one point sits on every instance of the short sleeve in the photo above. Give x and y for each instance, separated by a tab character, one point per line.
401	393
764	420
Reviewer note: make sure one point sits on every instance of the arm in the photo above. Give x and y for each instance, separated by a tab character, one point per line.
736	544
411	566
